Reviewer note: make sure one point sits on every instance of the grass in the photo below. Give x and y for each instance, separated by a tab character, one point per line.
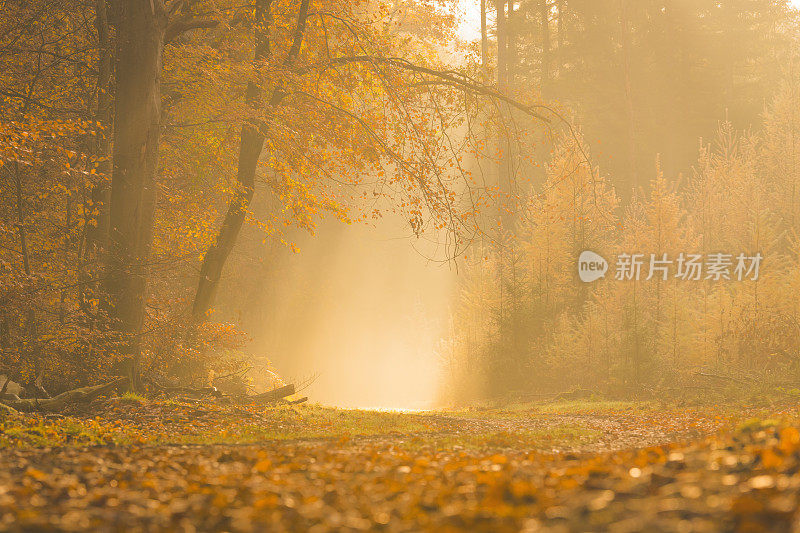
562	436
565	408
306	422
131	398
130	419
175	423
595	406
25	431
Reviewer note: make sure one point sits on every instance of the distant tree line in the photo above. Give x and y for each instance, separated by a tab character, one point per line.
646	77
525	322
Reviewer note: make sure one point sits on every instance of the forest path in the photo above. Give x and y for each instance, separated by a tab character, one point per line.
745	481
573	433
536	468
578	432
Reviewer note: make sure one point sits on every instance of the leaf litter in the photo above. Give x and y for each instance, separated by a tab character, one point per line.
173	466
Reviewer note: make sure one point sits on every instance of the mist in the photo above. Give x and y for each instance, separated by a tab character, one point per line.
448	265
361	312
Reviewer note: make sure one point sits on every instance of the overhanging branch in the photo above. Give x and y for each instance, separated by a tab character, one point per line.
448	77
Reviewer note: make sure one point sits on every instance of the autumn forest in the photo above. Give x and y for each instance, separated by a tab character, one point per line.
434	265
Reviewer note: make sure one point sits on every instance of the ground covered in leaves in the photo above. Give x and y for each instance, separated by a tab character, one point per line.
585	466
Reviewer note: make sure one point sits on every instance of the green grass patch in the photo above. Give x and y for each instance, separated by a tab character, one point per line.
26	431
596	406
566	408
306	422
131	398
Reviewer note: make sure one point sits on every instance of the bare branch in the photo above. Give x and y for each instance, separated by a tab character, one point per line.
448	77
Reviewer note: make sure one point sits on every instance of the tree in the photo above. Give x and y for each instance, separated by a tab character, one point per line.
143	28
137	123
251	145
391	127
671	69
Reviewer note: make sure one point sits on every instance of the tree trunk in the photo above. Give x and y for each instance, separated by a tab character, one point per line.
560	30
484	41
133	178
629	107
501	45
30	347
250	147
97	225
512	54
97	205
503	168
63	400
505	68
273	395
547	58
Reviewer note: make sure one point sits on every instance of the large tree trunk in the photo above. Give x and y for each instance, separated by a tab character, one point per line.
133	180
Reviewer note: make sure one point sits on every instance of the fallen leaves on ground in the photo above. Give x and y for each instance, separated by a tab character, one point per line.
734	480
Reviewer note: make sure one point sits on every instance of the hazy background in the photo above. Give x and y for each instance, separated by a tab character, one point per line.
362	309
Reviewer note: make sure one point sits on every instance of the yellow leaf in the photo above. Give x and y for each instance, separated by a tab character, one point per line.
770	459
790	438
262	466
38	475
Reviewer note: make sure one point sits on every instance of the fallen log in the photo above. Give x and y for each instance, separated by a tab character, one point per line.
721	378
59	402
193	393
304	399
272	396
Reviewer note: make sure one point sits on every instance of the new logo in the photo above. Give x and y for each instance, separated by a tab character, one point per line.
591	267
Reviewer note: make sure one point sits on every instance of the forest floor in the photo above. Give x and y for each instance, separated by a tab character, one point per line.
577	466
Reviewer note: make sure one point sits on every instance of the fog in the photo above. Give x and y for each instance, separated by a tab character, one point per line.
361	313
671	108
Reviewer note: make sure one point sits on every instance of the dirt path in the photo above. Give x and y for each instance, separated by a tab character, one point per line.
584	432
626	470
380	484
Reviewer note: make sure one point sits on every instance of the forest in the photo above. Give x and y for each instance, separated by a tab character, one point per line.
433	265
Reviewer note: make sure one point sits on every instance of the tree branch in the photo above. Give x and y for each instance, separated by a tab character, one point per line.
447	77
299	33
177	28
